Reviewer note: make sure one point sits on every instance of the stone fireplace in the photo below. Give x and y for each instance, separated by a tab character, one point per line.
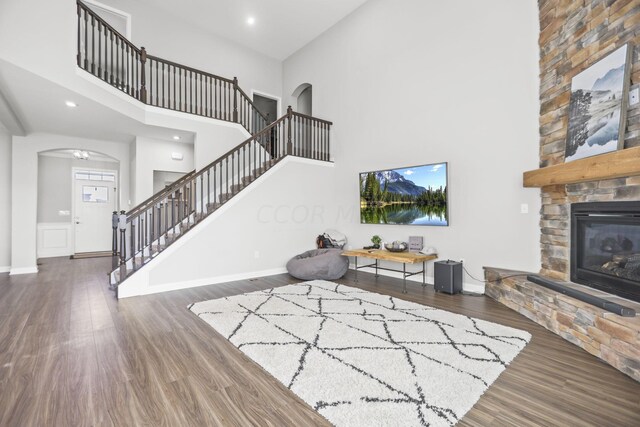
574	35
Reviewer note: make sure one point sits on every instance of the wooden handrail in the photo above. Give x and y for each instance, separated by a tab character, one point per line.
246	97
159	195
239	146
315	119
106	24
193	70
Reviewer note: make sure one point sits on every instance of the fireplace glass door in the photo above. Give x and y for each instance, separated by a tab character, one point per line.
605	249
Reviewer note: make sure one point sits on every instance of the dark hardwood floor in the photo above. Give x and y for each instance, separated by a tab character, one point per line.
72	355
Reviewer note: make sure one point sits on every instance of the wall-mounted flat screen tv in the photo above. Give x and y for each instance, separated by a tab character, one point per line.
406	196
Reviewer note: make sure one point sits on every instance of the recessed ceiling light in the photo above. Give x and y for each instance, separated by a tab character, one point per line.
251	20
71	104
176	137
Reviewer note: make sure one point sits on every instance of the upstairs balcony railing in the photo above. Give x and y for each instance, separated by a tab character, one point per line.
109	56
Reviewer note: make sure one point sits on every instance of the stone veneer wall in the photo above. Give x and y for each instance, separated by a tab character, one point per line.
574	35
612	338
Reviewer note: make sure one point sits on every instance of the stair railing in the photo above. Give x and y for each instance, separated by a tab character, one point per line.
158	222
109	56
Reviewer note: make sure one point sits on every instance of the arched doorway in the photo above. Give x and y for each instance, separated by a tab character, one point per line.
304	98
77	192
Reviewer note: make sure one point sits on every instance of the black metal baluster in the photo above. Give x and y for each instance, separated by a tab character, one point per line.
86	41
159	221
106	54
162	86
93	44
126	71
201	193
78	53
215	187
174	86
165	205
133	243
146	232
121	69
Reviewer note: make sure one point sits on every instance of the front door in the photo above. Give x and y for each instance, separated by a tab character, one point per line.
95	193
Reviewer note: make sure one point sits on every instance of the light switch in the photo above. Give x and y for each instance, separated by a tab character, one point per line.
524	208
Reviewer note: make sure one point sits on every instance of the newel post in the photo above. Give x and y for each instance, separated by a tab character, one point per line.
115	219
289	117
235	99
143	77
122	226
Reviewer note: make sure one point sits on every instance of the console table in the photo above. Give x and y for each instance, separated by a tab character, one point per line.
401	257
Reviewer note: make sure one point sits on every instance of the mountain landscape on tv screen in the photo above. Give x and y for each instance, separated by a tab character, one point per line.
409	196
396	183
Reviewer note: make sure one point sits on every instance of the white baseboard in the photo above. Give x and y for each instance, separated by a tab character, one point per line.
5	269
23	270
467	287
130	291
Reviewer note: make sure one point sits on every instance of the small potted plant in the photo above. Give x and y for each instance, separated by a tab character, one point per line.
376	240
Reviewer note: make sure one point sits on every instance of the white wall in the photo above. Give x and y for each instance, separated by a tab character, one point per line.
152	155
167	37
161	179
275	218
5	201
24	182
132	173
429	82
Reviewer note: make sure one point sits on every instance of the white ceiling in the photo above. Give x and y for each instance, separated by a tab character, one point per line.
40	106
281	28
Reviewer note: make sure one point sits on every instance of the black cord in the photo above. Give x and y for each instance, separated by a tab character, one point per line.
496	280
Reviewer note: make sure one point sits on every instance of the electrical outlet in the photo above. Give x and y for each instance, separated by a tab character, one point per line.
256	254
462	260
634	96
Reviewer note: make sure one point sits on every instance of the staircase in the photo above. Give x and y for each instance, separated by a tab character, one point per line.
155	224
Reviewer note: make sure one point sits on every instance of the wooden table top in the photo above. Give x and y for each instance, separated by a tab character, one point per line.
405	257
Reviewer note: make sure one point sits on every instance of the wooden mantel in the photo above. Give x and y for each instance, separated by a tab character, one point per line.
616	164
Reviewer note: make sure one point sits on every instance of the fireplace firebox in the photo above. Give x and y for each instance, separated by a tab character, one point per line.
605	247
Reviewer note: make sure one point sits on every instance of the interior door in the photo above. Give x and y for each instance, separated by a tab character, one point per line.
95	193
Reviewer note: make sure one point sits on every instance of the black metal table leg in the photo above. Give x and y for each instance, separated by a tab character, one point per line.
356	279
404	277
376	267
424	273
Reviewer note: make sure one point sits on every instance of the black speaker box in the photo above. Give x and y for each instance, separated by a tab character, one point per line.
447	276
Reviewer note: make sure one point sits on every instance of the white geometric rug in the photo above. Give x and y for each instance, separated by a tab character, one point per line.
365	359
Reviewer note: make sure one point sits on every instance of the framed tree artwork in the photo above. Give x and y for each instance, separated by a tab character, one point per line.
598	106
